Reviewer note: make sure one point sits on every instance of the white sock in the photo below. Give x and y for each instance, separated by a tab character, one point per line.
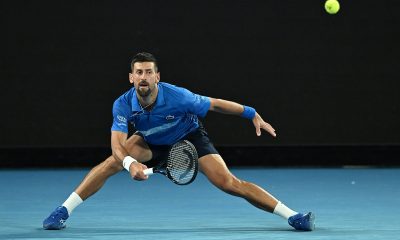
72	202
283	211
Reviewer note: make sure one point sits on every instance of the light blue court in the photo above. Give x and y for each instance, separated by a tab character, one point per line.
348	203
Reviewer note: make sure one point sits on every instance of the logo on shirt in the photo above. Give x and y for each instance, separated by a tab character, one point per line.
121	118
170	117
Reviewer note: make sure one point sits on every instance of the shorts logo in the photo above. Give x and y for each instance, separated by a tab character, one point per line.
169	117
121	118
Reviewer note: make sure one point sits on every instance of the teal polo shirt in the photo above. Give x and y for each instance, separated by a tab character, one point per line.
174	115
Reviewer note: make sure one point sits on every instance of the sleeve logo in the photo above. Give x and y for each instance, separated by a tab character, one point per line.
121	118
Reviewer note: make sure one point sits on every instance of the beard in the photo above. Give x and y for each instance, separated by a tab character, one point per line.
143	92
144	89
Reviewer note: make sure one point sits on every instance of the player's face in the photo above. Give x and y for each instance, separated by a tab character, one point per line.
144	77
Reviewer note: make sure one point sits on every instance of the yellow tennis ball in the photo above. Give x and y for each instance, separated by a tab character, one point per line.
332	6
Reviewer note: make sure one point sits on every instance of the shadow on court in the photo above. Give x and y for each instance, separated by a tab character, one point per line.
146	233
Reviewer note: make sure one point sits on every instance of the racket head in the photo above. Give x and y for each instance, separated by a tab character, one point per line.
182	163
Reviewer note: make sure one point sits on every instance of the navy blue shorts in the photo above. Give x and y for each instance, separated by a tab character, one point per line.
199	138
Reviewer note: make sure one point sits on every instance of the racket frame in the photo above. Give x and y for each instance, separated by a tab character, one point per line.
163	169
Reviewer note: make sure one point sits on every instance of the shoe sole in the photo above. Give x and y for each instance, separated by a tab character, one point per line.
53	228
311	218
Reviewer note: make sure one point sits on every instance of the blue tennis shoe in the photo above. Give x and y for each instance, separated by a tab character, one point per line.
304	222
57	219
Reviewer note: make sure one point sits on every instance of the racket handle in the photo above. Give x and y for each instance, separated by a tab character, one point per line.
148	171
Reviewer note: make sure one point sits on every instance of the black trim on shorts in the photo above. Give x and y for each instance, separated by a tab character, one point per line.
199	138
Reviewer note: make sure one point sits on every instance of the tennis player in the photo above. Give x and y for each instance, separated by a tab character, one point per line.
163	114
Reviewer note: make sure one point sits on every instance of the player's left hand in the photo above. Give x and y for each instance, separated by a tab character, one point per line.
259	124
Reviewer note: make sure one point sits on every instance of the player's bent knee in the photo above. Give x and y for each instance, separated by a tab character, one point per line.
112	165
229	184
116	164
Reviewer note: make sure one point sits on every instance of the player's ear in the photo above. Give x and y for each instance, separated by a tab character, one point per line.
158	77
131	78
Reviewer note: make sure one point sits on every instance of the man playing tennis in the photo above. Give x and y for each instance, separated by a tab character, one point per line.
163	114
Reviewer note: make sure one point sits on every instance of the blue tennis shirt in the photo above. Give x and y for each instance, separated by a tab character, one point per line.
174	115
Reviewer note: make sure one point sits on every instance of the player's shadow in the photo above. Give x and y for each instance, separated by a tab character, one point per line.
166	233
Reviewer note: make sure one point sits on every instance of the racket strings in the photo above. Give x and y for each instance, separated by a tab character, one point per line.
181	166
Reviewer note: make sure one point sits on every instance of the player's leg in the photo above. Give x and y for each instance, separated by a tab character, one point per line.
94	180
214	167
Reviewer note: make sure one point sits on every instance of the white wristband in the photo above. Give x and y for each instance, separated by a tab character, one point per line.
128	160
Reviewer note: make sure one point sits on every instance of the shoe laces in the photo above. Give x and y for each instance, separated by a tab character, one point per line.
59	214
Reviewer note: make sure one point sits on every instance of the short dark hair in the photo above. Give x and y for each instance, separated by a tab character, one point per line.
144	57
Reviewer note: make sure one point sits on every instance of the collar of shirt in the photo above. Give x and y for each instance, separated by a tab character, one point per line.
159	101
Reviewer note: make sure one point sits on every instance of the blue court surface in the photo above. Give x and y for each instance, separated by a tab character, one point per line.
348	203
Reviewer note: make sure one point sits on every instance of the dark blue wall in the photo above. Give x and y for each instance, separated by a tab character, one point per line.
318	79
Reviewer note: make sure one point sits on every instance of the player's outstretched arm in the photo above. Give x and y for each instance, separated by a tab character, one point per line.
119	152
229	107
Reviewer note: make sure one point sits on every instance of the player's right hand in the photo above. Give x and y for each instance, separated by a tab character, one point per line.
136	171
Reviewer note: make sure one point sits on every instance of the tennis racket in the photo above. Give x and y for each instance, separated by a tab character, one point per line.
181	165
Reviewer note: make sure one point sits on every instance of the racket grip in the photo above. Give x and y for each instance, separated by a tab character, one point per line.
148	171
